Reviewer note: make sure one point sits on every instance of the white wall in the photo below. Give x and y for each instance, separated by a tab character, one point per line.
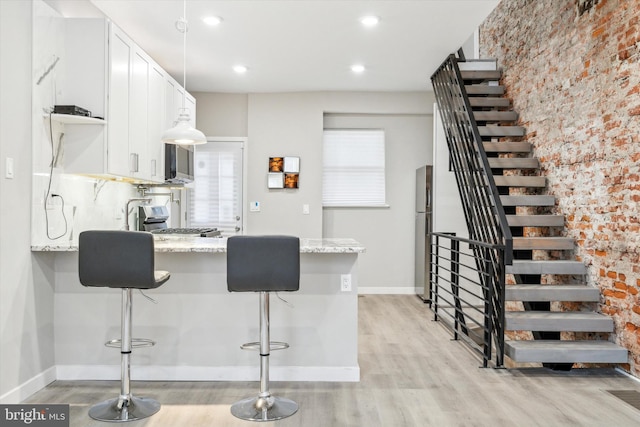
387	233
26	296
291	124
222	114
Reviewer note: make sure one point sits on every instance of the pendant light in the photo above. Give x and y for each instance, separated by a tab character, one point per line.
182	133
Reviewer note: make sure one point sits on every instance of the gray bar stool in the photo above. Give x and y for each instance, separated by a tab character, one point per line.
263	264
124	260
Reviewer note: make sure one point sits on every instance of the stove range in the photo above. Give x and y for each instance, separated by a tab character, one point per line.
154	220
201	232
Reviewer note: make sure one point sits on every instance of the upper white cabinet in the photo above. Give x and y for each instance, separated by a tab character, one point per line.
156	121
108	74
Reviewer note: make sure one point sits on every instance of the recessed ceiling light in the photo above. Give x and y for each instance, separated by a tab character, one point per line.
369	21
240	69
358	68
212	20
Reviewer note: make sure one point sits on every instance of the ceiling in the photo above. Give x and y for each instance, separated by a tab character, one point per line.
295	45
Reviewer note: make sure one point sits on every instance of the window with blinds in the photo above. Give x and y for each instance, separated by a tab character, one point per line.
216	197
353	168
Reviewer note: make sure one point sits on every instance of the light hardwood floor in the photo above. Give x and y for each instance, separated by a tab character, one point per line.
412	374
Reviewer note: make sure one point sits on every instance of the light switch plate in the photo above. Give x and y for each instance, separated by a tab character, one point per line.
8	173
254	206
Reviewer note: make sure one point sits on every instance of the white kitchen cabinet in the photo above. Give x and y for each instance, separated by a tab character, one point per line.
157	122
140	165
175	104
107	73
117	87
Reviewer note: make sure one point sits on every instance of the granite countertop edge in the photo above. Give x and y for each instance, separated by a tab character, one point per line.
219	245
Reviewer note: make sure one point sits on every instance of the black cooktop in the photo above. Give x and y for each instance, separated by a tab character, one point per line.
202	232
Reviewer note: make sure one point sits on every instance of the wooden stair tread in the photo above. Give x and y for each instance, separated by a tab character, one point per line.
535	220
541	292
481	74
489	102
478	64
528	200
484	90
578	321
543	243
507	147
520	181
495	116
546	267
501	131
513	163
556	351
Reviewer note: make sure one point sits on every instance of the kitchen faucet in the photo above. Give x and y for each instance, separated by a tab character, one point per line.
126	209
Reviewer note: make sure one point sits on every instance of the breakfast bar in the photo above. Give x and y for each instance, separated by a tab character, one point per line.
199	326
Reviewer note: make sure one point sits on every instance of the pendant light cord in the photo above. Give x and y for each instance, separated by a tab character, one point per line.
184	53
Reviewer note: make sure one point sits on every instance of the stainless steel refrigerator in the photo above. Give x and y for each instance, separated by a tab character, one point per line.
424	180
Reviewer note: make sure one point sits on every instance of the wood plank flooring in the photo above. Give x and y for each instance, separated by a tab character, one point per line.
412	374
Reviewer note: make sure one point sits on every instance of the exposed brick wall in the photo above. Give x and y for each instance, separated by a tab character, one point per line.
572	69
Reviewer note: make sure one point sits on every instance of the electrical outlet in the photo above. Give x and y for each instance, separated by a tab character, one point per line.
345	283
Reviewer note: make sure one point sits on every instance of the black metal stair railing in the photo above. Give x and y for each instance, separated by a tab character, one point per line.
483	211
463	282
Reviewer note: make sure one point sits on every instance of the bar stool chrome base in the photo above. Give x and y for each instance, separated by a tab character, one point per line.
261	408
136	408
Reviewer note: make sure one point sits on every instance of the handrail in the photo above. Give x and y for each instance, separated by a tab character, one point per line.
484	214
490	237
466	267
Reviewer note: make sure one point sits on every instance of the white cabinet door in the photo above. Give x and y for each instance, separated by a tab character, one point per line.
171	93
138	117
157	122
190	104
118	109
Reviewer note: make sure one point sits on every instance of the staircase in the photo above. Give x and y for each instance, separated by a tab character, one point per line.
544	272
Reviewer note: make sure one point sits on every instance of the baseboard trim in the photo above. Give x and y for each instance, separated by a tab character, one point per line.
29	387
386	290
208	373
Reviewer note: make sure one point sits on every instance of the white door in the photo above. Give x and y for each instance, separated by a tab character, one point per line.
215	197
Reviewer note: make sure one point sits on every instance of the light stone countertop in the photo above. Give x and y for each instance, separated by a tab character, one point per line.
219	245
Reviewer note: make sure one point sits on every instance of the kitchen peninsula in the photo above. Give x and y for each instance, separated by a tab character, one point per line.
199	326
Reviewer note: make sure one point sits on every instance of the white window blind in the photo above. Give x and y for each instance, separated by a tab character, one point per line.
216	197
353	168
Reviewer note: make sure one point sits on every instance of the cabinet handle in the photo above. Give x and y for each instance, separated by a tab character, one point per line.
153	167
134	162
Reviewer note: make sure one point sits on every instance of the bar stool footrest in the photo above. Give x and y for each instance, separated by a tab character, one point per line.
135	343
273	345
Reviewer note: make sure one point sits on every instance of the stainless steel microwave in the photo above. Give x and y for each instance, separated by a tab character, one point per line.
178	163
